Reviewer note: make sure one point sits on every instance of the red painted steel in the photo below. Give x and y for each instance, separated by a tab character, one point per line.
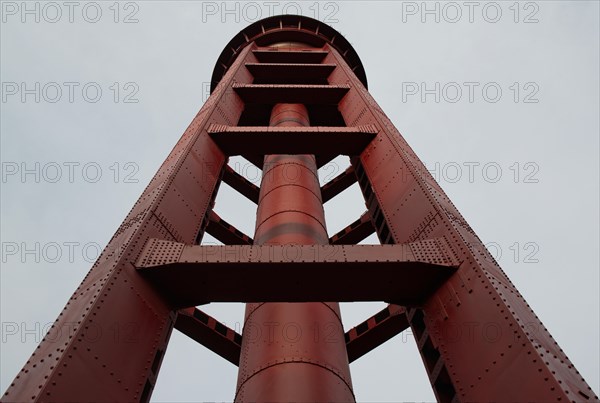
290	73
478	338
375	331
338	184
241	184
192	275
292	352
305	93
225	232
116	313
209	332
355	232
252	140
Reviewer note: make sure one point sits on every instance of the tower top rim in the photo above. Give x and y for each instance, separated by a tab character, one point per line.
282	28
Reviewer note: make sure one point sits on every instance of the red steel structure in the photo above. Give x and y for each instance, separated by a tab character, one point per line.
289	94
295	367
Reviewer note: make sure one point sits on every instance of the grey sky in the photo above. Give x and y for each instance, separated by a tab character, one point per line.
523	173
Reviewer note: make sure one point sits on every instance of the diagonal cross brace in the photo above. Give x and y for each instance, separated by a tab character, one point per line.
241	184
375	331
355	232
225	232
338	184
211	333
227	343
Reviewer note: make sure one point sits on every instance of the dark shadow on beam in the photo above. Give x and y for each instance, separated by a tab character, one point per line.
210	333
189	275
355	232
375	331
225	232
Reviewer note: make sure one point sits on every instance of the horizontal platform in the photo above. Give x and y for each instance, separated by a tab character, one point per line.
307	94
317	140
290	56
292	73
190	275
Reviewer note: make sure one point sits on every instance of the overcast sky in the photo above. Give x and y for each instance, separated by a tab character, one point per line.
513	140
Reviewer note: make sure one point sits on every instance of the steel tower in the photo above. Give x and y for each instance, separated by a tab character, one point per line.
289	94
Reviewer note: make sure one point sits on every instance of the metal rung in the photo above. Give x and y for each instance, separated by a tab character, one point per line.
317	140
290	56
307	94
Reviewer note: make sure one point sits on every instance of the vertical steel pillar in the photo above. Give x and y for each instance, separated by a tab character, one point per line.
108	342
478	337
292	351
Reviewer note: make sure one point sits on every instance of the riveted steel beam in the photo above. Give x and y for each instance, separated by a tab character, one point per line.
241	184
209	332
290	73
291	93
375	331
290	56
316	140
225	232
191	274
355	232
338	184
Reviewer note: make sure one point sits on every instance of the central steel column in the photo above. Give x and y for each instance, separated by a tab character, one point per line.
292	351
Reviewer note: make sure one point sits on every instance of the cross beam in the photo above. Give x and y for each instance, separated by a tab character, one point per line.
191	274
